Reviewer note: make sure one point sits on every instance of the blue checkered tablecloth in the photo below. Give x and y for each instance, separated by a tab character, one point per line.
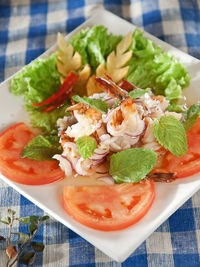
28	28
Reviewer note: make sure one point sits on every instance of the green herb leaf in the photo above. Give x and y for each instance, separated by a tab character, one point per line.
38	247
6	220
23	239
170	133
86	146
97	104
173	107
44	218
132	165
190	116
46	121
24	220
42	148
32	227
28	258
12	212
34	219
138	92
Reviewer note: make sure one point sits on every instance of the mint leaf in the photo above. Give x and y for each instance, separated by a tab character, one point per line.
138	92
190	116
86	146
97	104
41	148
170	133
132	165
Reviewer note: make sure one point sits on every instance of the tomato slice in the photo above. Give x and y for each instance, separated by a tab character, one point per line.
189	163
109	207
24	170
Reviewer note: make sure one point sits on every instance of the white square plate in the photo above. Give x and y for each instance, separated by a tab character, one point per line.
169	197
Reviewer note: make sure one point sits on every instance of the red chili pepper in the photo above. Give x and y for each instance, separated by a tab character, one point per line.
64	90
56	103
127	86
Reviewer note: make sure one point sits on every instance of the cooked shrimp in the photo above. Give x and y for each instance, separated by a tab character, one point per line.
111	88
125	120
148	138
89	112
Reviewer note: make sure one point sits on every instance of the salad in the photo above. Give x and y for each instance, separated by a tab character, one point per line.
106	110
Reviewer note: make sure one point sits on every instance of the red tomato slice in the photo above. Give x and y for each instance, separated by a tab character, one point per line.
189	163
24	170
109	207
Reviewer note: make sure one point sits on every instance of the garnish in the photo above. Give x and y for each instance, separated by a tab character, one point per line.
86	146
190	116
138	92
62	94
25	240
97	104
132	165
42	148
116	61
170	133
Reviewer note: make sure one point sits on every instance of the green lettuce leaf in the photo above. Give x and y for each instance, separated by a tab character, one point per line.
37	81
151	67
94	44
46	121
190	116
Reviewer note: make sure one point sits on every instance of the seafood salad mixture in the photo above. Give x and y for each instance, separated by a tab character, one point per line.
105	109
127	123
